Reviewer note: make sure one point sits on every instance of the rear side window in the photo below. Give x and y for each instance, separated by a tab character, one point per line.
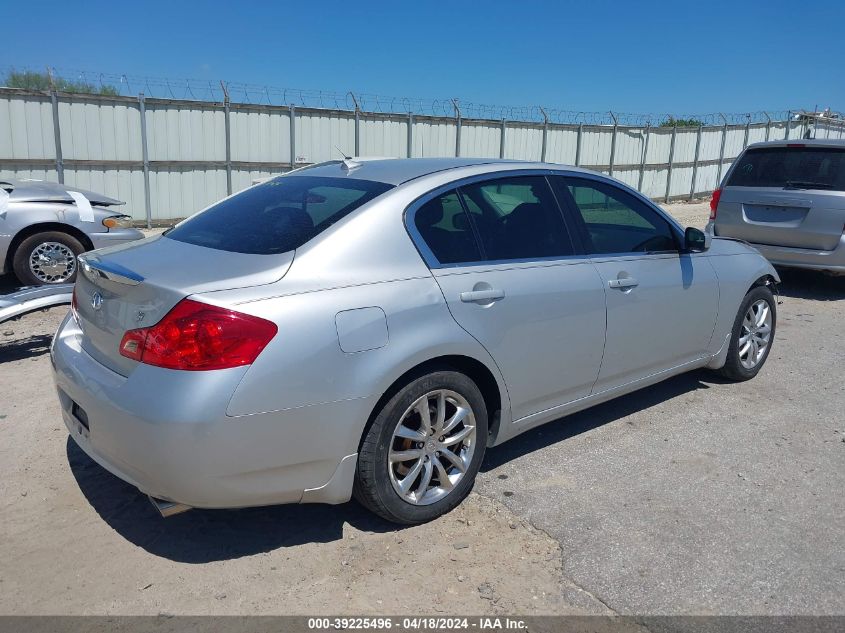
445	228
277	216
517	218
791	167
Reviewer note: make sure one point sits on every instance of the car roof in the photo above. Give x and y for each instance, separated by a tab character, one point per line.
395	171
800	142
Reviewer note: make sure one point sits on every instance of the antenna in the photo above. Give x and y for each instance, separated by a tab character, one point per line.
348	163
342	153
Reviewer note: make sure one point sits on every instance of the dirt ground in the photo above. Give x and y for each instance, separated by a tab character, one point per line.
76	540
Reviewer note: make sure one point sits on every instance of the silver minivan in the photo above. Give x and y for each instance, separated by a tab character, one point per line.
787	199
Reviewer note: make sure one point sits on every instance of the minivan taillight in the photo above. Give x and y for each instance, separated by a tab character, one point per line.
198	336
714	203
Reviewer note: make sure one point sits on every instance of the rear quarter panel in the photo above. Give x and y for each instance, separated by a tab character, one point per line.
304	365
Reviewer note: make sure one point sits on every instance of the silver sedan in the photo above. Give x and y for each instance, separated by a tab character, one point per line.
370	328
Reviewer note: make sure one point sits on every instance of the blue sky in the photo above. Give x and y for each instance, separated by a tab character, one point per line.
636	57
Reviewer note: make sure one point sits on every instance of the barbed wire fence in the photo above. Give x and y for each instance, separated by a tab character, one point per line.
258	94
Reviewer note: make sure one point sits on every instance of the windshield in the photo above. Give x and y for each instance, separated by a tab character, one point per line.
277	216
806	167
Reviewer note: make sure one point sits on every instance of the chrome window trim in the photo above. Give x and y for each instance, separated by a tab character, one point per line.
510	264
425	252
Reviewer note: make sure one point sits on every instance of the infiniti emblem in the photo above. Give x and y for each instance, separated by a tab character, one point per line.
96	301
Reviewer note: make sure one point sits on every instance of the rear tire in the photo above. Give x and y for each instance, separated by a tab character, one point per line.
442	457
752	328
47	258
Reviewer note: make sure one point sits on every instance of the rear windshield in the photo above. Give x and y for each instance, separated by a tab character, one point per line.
791	167
276	216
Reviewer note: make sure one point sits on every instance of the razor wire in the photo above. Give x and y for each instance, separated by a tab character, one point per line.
239	93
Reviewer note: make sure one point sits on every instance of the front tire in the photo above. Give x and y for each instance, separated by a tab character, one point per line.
419	458
752	335
47	258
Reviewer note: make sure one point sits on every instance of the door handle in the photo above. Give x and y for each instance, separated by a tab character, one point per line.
474	296
627	282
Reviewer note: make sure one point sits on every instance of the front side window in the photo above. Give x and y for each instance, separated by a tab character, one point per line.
517	218
277	216
614	220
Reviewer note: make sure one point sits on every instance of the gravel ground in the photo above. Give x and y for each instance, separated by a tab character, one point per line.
693	496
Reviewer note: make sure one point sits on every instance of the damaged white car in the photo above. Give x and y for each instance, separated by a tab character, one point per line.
45	225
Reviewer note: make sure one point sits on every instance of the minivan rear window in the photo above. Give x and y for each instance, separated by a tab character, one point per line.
277	216
809	167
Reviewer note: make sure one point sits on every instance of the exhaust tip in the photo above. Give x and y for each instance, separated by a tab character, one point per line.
168	508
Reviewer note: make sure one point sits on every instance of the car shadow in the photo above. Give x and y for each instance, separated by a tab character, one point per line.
30	347
594	417
202	536
808	284
8	283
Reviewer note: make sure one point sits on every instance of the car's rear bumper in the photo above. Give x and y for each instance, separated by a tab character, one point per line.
791	257
833	261
167	433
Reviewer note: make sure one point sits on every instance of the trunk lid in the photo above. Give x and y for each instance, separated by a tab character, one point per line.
134	285
785	195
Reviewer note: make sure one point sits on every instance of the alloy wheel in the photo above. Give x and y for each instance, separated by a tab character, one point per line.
431	447
755	334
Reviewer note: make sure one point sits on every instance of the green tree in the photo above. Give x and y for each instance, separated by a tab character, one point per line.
673	122
29	80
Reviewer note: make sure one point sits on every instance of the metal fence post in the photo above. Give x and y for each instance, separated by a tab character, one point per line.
788	121
410	151
57	136
357	124
502	139
695	163
768	125
545	135
57	133
722	150
643	158
671	157
457	127
613	144
578	145
292	136
747	127
227	131
145	157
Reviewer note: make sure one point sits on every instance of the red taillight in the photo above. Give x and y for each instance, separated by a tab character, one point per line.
714	203
199	336
73	302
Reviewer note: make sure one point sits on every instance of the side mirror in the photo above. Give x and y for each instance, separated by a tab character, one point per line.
695	240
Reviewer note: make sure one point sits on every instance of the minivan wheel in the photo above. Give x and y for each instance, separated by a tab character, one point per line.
419	458
47	258
752	335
